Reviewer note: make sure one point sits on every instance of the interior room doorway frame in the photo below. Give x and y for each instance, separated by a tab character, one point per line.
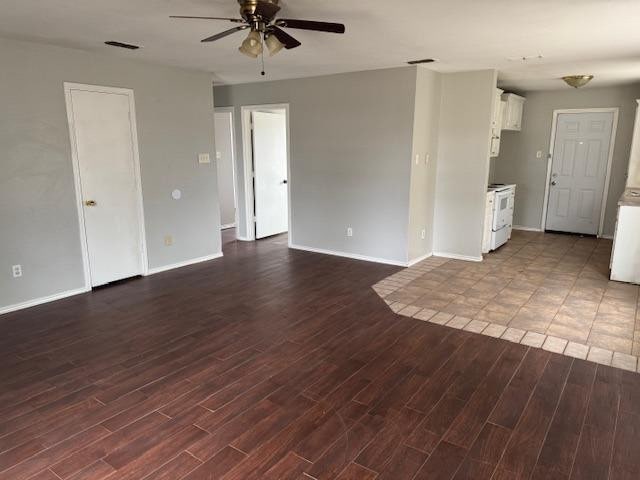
231	111
68	87
607	178
247	164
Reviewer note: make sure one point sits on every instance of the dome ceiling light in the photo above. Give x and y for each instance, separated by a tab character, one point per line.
577	81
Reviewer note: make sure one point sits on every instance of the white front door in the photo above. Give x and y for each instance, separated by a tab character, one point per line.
578	171
270	167
104	142
224	161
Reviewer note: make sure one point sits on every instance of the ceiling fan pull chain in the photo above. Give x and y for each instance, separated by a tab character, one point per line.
262	56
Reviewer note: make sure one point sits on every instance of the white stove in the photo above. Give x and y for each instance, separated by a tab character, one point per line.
499	215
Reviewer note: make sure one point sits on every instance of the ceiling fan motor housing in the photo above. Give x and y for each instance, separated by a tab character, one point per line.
258	11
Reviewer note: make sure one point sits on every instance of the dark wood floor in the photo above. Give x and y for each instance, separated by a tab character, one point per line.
278	364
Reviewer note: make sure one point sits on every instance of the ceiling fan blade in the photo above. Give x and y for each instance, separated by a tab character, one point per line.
234	20
220	35
311	25
284	38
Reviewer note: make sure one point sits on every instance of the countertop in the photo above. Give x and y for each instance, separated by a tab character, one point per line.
497	187
628	199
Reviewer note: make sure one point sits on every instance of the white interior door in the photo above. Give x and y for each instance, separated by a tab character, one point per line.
270	167
578	171
104	142
224	161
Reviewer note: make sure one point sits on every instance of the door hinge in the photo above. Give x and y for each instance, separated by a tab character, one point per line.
255	219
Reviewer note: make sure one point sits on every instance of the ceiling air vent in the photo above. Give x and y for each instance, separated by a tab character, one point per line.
417	62
122	45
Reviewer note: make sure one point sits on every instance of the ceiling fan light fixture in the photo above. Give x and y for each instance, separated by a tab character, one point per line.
577	81
273	44
252	45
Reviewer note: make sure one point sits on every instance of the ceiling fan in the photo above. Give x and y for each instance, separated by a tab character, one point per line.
259	16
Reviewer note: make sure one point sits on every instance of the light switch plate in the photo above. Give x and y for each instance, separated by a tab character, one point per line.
204	158
218	155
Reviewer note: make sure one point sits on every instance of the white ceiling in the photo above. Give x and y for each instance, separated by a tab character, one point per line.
600	37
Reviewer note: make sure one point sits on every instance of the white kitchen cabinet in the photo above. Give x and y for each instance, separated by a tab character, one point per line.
512	118
496	123
625	258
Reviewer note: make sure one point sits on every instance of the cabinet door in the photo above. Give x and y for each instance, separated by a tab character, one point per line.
513	112
517	114
495	146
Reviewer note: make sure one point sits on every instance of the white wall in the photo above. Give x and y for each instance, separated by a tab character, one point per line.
351	139
463	162
518	164
423	174
38	211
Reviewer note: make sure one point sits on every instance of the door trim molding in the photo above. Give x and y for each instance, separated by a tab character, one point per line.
68	87
607	178
245	118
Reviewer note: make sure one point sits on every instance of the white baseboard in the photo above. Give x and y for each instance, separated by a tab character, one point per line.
164	268
455	256
608	237
353	256
526	229
70	293
411	263
228	225
41	300
244	239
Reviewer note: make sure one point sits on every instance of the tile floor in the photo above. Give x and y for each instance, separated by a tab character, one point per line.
544	290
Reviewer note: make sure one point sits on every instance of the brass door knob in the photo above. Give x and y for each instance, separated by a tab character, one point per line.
90	203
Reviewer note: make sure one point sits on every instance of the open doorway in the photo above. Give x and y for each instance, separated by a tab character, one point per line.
225	163
266	165
579	168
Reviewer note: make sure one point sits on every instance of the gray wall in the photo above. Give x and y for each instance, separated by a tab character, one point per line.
37	200
423	175
463	162
351	141
518	164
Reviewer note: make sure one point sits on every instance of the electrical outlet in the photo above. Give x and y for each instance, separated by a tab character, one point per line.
16	270
168	240
417	158
539	154
349	232
423	234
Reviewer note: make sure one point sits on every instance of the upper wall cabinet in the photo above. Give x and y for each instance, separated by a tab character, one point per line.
512	117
